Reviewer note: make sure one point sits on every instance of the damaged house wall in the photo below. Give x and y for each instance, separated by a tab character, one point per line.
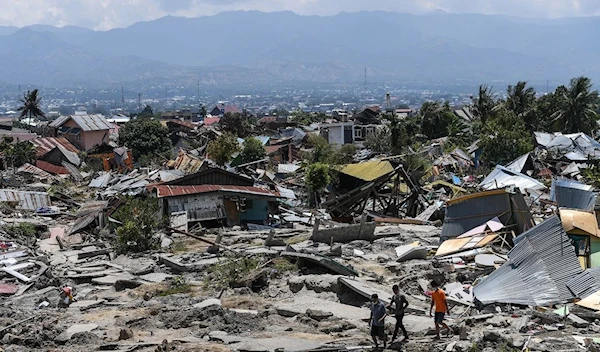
468	212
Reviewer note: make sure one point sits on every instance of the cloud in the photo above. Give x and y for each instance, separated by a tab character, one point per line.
107	14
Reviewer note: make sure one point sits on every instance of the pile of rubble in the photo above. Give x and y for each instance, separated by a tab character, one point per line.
241	263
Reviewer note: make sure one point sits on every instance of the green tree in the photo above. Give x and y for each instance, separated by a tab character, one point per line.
146	113
140	219
379	141
30	106
237	124
320	150
17	154
459	134
503	139
253	150
579	107
203	111
317	178
435	119
521	100
547	109
307	118
342	155
146	137
404	132
221	149
484	103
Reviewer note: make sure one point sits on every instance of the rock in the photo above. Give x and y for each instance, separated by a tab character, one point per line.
121	285
493	336
166	242
463	346
217	335
318	315
10	339
322	283
296	283
463	333
287	313
336	249
125	334
207	303
335	326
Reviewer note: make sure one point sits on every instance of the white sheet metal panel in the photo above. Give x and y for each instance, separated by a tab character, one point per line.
502	177
25	199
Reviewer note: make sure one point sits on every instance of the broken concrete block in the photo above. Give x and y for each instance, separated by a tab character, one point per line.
155	277
74	329
121	285
84	305
125	334
318	315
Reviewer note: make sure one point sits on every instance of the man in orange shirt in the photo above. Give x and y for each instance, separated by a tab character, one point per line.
438	298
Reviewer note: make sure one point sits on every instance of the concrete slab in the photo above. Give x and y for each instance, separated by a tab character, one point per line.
302	302
155	277
288	343
84	305
74	329
207	303
111	279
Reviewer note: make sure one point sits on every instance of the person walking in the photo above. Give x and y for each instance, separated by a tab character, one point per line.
438	299
400	303
377	321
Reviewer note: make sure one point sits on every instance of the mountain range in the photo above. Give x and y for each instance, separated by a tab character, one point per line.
262	49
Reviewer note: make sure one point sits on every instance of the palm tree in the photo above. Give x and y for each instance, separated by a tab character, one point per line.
579	106
520	99
30	106
484	103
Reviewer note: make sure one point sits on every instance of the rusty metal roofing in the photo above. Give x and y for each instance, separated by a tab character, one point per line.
51	168
95	122
30	169
186	162
25	199
368	171
175	191
46	144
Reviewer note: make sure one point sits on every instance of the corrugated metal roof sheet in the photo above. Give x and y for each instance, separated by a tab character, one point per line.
30	169
287	168
536	274
502	177
94	122
46	144
572	194
101	181
25	199
286	192
51	168
518	164
174	191
468	212
87	214
368	171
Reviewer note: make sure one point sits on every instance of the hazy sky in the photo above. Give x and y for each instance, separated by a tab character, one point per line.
106	14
